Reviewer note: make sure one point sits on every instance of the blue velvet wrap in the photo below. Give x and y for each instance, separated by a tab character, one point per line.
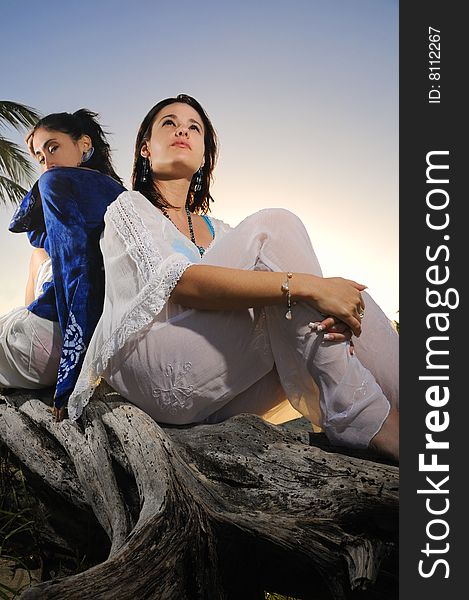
64	214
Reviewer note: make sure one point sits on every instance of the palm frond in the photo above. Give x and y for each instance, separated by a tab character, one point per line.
14	162
17	115
11	193
15	168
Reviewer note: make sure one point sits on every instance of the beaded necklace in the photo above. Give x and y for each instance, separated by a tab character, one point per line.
191	229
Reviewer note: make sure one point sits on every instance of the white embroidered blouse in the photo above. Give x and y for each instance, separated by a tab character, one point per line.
144	258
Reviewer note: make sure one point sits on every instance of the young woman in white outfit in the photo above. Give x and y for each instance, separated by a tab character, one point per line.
202	321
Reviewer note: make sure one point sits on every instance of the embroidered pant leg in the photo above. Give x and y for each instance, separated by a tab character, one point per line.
188	368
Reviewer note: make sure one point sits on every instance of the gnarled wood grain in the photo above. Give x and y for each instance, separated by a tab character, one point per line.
209	511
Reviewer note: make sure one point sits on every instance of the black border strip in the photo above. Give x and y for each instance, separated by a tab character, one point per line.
433	245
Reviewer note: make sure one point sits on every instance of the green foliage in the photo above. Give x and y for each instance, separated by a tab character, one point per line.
15	168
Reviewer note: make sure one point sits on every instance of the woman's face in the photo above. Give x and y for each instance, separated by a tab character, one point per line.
176	145
57	149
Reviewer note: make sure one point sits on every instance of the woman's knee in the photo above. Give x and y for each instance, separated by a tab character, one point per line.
273	215
274	219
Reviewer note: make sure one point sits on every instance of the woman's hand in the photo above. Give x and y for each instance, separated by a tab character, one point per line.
38	256
59	414
207	287
335	297
335	331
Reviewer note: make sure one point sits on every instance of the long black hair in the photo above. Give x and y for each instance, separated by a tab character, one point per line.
198	201
82	122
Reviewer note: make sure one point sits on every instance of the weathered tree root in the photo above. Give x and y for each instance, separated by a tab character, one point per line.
207	510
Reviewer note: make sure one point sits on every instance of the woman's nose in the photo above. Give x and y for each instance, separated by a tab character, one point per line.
183	131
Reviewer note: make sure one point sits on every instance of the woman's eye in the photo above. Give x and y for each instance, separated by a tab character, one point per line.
168	121
52	149
195	127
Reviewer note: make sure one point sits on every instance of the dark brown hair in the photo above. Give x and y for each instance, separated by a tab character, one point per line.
81	122
198	200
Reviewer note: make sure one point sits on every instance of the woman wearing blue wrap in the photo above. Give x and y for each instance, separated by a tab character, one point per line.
43	343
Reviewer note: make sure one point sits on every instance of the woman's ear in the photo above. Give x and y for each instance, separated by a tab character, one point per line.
85	143
144	150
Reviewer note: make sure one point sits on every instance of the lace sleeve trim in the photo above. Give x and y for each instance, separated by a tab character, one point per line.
159	276
137	239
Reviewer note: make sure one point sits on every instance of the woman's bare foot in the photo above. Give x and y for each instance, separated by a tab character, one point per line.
386	441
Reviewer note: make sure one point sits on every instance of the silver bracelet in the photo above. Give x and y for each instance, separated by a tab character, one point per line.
286	290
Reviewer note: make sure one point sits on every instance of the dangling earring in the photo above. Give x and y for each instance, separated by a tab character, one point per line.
145	170
87	155
198	180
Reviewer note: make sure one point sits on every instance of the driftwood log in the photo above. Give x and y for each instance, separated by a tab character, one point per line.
203	512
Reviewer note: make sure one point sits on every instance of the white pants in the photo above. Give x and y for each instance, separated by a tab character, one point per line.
204	366
29	350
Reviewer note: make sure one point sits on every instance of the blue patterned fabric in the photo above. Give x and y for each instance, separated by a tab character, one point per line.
64	214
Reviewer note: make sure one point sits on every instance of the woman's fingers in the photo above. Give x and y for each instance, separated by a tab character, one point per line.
340	298
59	414
356	285
326	324
335	330
329	324
354	323
338	337
356	326
361	303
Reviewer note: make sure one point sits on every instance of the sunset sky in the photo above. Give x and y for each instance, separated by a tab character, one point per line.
303	96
